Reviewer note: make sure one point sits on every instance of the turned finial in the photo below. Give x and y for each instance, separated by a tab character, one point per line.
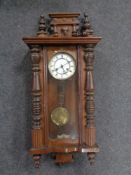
91	158
37	160
86	17
42	27
86	28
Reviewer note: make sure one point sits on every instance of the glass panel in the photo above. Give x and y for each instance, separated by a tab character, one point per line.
63	114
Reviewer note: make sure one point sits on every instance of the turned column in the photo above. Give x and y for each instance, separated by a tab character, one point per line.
36	103
90	104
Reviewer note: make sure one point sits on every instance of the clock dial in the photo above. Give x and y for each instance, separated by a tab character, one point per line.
62	66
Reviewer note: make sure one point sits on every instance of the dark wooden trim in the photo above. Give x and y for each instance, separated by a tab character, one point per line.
63	15
62	158
79	95
61	40
45	97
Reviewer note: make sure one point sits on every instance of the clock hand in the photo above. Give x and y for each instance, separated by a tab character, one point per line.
67	63
55	69
62	65
62	68
67	69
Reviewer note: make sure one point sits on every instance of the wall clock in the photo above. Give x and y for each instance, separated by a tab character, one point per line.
62	55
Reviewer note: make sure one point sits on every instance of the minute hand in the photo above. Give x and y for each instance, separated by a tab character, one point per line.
63	65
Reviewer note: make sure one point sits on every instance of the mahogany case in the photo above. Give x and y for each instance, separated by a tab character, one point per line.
64	32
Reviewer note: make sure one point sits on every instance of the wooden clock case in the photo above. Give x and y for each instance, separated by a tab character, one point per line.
63	32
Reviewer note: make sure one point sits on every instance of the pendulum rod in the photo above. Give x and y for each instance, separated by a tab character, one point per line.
61	93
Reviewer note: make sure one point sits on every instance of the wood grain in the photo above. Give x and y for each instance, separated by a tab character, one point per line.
64	33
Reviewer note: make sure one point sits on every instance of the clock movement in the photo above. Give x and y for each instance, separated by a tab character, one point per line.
62	55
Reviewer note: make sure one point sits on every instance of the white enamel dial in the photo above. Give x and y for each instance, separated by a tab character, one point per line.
62	66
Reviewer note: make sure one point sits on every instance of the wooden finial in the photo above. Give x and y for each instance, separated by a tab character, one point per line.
91	158
36	159
86	28
42	27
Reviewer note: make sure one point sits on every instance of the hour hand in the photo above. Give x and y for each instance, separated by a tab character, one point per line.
55	69
62	66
